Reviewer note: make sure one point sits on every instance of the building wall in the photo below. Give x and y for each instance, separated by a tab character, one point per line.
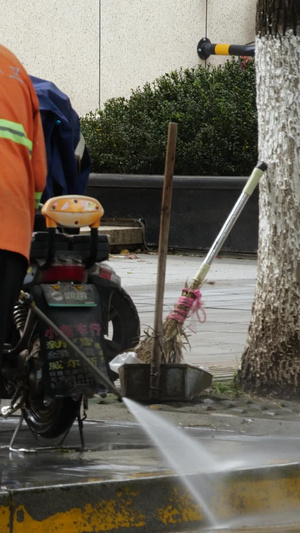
57	40
230	22
98	49
143	39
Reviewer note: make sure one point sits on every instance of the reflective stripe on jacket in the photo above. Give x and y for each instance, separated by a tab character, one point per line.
15	132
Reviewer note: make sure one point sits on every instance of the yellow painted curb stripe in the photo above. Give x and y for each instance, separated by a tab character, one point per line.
4	519
153	504
124	513
251	495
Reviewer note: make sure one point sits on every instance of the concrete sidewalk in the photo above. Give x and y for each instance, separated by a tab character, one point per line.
227	293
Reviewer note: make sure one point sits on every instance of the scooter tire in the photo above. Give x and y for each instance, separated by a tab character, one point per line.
53	420
123	324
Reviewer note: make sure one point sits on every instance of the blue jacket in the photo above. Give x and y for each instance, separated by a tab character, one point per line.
61	127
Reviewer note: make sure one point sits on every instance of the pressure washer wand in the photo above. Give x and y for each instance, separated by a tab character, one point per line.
26	298
250	186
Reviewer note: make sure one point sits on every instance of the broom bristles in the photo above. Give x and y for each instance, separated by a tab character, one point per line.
174	336
171	347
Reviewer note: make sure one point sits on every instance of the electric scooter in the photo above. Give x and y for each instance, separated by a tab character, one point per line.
84	316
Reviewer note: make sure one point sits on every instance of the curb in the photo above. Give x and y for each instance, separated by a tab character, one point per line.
121	233
154	503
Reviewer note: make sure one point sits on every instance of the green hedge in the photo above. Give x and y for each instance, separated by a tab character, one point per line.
217	124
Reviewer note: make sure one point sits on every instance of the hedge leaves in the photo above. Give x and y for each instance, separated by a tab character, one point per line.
217	124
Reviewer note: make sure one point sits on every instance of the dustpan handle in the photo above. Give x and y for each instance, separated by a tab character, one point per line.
250	186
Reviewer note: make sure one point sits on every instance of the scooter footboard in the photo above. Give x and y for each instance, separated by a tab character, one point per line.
64	374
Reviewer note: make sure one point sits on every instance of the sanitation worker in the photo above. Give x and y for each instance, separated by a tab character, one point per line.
22	179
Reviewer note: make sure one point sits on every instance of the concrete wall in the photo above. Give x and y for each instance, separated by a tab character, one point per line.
231	22
57	40
143	39
97	49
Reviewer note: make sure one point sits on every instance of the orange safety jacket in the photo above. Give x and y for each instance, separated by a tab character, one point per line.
23	165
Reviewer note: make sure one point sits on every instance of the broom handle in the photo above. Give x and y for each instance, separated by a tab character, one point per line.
162	257
229	223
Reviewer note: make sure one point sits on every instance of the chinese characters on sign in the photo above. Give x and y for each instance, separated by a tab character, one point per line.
64	369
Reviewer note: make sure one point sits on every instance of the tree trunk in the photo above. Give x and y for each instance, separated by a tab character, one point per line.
275	17
271	360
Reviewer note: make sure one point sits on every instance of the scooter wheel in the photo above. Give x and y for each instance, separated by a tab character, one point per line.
123	324
49	421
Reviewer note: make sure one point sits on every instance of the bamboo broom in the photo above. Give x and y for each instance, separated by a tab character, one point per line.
173	329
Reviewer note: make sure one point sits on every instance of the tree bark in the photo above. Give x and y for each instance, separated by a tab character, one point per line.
275	17
271	360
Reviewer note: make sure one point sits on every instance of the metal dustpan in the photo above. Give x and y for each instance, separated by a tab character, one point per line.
177	382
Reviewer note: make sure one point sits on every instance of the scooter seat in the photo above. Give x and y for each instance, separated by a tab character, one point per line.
81	244
40	244
78	246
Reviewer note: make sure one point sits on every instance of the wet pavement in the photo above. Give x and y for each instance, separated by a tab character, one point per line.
119	453
118	450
